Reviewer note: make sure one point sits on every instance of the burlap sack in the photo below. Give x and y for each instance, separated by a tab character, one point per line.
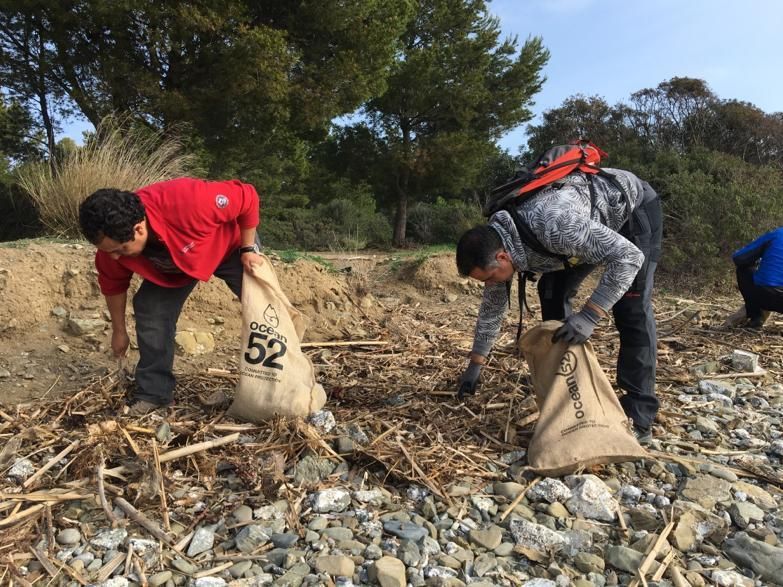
275	376
581	422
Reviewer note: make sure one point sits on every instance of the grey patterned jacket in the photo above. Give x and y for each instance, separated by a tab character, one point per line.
560	217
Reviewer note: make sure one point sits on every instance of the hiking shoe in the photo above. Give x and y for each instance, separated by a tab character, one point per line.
755	323
141	407
643	435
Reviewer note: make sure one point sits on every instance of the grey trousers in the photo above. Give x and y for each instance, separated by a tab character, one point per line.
633	313
157	309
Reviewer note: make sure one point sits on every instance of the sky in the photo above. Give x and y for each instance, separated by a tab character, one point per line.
612	48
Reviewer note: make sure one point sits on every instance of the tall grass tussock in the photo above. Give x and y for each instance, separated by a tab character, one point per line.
117	156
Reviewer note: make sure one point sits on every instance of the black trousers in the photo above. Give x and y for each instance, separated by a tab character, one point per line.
156	310
757	297
633	313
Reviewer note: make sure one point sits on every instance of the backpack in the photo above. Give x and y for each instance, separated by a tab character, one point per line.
553	164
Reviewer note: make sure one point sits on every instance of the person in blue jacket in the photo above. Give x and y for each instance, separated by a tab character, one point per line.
760	276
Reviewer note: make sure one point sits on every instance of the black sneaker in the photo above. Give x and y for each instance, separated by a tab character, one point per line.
643	435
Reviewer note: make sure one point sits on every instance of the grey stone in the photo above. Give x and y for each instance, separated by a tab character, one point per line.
311	469
763	559
159	578
706	490
409	553
694	525
373	552
717	387
744	513
243	514
344	445
251	537
589	563
731	579
539	582
719	472
59	312
202	541
549	490
109	539
707	425
406	530
284	539
484	564
318	523
373	497
489	538
209	582
82	326
338	533
509	490
324	420
115	582
21	470
744	361
184	566
626	559
68	537
761	497
591	498
535	536
330	500
335	565
240	568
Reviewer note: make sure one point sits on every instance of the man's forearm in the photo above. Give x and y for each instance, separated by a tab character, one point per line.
247	236
116	305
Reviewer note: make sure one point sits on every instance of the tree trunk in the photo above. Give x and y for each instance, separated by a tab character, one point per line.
400	219
43	101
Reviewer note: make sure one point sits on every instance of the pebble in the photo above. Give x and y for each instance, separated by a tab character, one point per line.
159	578
242	514
68	537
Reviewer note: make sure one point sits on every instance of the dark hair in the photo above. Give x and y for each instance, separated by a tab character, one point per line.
110	213
477	248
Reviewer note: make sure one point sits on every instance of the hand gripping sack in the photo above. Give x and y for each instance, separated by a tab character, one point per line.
275	377
581	422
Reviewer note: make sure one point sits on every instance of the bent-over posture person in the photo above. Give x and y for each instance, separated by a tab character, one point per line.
173	234
589	230
760	276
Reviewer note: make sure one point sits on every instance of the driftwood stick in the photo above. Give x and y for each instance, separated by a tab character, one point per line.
518	498
52	462
102	495
13	519
198	447
164	508
143	520
307	345
651	554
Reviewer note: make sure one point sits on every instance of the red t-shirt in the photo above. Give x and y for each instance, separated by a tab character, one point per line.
198	221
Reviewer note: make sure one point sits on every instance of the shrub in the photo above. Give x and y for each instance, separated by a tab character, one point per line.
118	156
442	222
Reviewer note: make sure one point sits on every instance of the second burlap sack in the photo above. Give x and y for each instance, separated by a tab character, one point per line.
581	422
275	377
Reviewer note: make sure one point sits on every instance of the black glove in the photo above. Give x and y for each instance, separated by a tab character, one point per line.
469	379
578	327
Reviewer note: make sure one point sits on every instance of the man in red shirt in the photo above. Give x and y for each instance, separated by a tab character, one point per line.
173	234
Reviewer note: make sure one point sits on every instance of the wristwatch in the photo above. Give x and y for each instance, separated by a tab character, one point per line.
254	248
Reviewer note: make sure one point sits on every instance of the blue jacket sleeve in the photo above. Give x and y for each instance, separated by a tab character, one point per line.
752	252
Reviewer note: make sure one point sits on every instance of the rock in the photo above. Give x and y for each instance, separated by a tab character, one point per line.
535	536
550	490
761	558
591	498
589	563
706	490
109	539
373	497
68	537
335	565
251	537
731	578
64	348
558	511
240	568
4	373
719	472
744	513
707	426
716	386
59	312
159	578
184	566
744	362
694	525
626	559
243	514
539	583
489	538
484	563
405	530
209	582
311	469
194	342
21	470
337	534
330	500
115	582
704	369
82	326
761	497
323	420
776	447
509	490
388	572
202	541
285	539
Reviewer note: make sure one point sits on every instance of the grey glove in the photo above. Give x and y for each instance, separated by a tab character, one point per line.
578	327
469	379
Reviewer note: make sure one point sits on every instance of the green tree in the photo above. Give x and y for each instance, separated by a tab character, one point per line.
454	88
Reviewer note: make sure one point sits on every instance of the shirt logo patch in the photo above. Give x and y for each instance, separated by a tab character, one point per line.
221	201
188	246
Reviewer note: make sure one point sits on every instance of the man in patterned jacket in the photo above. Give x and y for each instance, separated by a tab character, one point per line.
568	223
